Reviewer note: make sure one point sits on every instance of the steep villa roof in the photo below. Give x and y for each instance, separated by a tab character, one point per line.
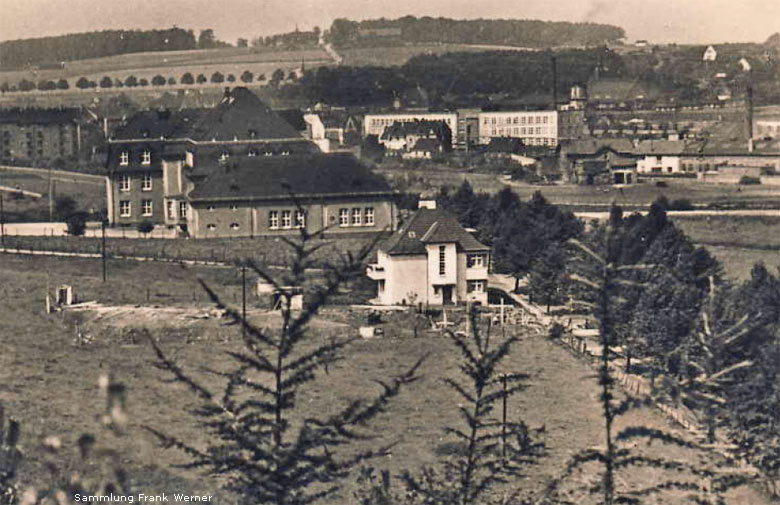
590	147
419	128
158	124
302	176
431	226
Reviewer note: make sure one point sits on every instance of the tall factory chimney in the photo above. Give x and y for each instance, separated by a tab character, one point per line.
554	62
749	117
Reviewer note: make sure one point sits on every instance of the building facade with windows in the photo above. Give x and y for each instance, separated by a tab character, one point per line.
278	196
375	124
534	128
431	260
157	157
38	136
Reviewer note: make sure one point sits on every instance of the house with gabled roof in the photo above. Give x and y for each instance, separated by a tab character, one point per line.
431	260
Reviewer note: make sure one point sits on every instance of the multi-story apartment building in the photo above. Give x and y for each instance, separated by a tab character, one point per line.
533	127
37	136
159	156
375	124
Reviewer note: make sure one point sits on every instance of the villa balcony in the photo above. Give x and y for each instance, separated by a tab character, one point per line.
375	271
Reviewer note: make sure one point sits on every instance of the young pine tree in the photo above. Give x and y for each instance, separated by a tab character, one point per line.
259	439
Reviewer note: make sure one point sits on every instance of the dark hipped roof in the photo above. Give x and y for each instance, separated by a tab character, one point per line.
302	176
158	124
586	147
431	226
240	115
417	127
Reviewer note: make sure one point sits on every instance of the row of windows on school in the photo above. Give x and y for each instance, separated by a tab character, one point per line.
145	157
288	219
512	120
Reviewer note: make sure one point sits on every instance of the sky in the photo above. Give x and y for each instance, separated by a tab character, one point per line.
659	21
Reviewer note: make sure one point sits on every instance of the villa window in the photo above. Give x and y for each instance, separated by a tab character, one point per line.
252	153
356	217
183	210
368	214
170	209
234	226
442	260
146	157
475	261
146	208
146	182
223	157
124	208
286	219
124	158
475	286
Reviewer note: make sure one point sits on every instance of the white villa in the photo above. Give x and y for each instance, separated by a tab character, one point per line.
431	260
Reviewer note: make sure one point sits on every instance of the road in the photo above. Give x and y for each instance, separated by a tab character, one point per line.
691	213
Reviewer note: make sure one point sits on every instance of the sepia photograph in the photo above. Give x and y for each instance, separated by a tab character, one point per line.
352	252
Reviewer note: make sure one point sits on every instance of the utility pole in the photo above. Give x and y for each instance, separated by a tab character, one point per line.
243	300
51	197
2	222
103	229
503	417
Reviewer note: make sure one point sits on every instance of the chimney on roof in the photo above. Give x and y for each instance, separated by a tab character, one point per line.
227	91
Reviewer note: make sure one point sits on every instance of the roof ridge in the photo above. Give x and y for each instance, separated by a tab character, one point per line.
430	231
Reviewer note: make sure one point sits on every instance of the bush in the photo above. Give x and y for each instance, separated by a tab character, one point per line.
747	180
106	82
555	332
143	82
202	79
247	76
26	85
171	81
131	81
158	80
77	223
231	78
187	79
681	204
217	77
145	227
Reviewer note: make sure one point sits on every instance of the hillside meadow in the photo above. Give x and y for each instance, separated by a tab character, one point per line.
50	380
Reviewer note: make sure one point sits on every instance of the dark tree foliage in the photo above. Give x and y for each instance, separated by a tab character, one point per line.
353	85
467	205
79	46
512	32
247	76
131	81
598	266
47	85
217	77
231	78
171	81
187	78
25	85
259	441
62	84
202	79
143	81
158	80
547	278
106	82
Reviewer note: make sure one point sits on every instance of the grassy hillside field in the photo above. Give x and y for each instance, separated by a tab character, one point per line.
50	384
174	64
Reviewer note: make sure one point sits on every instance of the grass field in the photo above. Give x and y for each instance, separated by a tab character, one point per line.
89	196
50	385
174	64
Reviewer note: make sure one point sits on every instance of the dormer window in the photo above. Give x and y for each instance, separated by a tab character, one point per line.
223	157
124	158
285	153
268	153
146	157
252	134
252	153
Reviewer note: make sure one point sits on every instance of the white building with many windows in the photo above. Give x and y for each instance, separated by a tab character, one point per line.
431	260
533	127
375	124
